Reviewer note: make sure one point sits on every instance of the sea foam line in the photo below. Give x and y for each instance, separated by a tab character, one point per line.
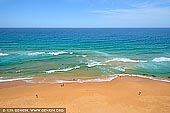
92	63
35	53
119	68
124	60
110	78
48	53
148	77
161	59
3	54
15	79
62	70
106	79
57	53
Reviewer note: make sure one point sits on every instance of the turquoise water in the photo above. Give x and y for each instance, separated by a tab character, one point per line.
84	52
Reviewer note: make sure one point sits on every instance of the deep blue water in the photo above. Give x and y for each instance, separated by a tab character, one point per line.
69	52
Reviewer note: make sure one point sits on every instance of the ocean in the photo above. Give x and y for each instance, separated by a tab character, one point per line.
66	53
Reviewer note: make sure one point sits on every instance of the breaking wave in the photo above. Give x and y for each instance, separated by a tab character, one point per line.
161	59
124	60
57	53
62	70
120	68
3	54
92	63
15	79
35	53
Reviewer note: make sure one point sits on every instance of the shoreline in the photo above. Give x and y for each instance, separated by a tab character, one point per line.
28	81
105	78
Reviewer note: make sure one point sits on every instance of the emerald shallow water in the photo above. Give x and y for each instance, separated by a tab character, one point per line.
82	52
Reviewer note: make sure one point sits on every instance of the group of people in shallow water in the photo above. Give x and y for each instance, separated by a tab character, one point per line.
62	85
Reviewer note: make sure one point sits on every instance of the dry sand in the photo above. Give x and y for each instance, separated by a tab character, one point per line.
117	96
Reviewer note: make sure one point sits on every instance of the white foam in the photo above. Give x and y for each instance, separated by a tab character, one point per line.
59	70
124	60
57	53
110	78
161	59
84	55
92	63
120	68
3	54
106	79
62	70
35	53
18	71
148	77
50	71
71	53
66	69
9	80
76	67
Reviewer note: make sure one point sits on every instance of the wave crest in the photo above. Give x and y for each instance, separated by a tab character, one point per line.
35	53
120	68
57	53
92	63
62	70
14	79
161	59
3	54
124	60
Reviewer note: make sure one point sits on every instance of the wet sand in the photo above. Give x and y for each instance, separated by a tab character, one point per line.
120	95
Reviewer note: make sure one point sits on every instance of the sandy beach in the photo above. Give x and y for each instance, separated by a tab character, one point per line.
120	95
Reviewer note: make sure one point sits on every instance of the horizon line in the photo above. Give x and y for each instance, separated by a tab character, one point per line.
79	27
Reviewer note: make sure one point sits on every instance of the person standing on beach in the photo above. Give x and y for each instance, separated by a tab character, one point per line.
36	95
